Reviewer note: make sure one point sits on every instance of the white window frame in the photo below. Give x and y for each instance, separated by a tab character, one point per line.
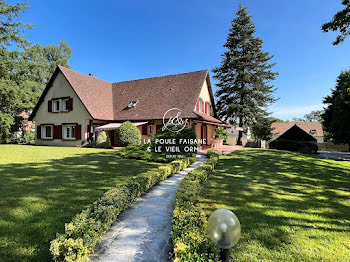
43	132
65	105
71	133
54	109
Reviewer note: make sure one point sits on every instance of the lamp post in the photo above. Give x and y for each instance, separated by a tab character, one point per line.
225	230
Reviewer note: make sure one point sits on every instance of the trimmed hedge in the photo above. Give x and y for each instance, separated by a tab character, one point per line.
295	146
103	140
189	222
128	135
87	228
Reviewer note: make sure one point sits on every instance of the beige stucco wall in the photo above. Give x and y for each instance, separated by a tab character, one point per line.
204	94
61	88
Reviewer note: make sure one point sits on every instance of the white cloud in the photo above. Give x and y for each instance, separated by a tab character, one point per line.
288	112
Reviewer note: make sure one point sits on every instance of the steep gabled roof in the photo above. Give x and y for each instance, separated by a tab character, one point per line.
154	96
280	127
298	134
95	94
157	95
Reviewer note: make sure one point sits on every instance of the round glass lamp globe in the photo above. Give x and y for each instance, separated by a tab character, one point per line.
224	228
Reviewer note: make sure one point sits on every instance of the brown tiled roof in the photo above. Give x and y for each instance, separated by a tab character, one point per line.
95	94
280	127
209	118
156	95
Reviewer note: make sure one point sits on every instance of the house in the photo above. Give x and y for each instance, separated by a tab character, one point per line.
75	107
297	134
312	128
233	133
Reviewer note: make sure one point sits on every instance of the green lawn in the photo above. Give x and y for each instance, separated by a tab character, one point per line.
41	188
292	207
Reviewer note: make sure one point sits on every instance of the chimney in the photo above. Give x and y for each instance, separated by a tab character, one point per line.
91	74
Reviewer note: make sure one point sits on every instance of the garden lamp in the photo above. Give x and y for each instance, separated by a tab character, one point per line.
224	229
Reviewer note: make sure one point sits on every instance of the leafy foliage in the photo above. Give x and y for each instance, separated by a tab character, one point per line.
221	132
24	72
128	135
103	140
340	22
336	115
189	222
86	229
262	129
244	76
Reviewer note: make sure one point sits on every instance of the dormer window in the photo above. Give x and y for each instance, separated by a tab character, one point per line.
132	104
313	132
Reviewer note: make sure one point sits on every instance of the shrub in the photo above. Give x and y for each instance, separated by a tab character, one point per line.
29	137
128	135
189	223
221	132
103	140
86	229
295	146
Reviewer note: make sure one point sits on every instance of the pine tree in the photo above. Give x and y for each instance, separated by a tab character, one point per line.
244	76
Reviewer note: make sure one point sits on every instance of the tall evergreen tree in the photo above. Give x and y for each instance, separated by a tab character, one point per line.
336	115
244	76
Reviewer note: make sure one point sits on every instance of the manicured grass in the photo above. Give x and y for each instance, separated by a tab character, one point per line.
41	188
292	207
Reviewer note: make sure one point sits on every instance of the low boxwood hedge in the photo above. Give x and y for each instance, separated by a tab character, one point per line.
189	222
87	228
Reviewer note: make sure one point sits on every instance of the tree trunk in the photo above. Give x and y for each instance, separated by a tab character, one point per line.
240	133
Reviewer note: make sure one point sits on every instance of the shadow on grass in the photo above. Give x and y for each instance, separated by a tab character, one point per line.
277	193
36	199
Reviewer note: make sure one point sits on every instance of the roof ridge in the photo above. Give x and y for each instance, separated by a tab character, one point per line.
133	80
82	74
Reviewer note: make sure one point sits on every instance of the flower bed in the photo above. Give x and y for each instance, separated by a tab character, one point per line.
87	228
189	236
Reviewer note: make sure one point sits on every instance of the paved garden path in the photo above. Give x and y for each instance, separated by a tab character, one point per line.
142	232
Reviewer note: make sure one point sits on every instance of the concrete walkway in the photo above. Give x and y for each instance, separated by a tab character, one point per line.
142	232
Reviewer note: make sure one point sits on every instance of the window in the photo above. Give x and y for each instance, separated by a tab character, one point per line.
56	106
69	132
46	131
313	132
150	130
65	105
132	104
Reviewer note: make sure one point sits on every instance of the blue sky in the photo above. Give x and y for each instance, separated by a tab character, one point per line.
123	40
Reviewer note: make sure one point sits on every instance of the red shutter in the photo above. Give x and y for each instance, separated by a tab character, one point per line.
38	132
158	127
57	132
144	130
70	104
210	110
206	107
78	132
49	106
197	106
